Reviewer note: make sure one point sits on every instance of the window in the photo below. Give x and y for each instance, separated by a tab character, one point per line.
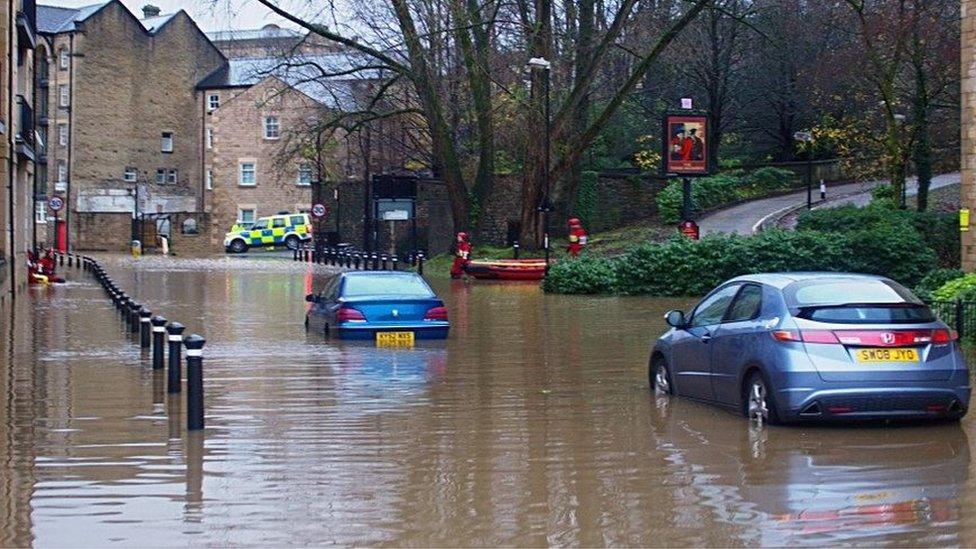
40	211
245	216
172	176
64	98
260	224
209	180
210	136
64	58
189	226
62	171
63	135
161	175
271	127
297	220
746	305
213	101
248	175
167	142
305	175
130	174
712	309
278	223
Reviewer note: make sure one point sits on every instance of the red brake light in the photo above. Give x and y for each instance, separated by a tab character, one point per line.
787	335
348	314
436	313
808	336
941	337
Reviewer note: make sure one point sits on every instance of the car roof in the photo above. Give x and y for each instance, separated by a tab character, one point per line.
378	273
782	280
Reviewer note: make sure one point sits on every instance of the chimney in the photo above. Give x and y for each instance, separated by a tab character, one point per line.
150	10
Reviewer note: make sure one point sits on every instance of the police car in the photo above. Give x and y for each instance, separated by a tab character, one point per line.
275	230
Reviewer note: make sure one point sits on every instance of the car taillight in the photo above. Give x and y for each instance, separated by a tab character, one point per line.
872	338
436	313
348	314
941	337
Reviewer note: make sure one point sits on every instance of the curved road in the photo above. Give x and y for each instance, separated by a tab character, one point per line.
745	218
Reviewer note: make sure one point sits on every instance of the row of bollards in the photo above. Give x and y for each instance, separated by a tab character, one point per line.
156	332
337	257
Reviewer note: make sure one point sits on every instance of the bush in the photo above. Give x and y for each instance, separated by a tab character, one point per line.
963	288
586	275
938	229
711	192
935	280
683	267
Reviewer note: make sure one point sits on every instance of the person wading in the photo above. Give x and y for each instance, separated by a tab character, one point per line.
462	255
577	237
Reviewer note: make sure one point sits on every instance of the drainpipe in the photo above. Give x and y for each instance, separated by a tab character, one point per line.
11	155
71	133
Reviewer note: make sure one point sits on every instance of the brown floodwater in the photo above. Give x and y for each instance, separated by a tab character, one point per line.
532	425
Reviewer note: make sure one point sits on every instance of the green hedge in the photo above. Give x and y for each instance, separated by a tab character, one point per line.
683	267
936	280
963	288
724	188
939	230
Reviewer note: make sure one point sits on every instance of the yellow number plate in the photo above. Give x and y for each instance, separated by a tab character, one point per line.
394	339
887	355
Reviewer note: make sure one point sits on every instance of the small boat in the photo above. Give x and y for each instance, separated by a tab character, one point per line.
507	269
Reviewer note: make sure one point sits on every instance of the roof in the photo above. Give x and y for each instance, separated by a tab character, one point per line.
57	19
781	280
267	32
304	74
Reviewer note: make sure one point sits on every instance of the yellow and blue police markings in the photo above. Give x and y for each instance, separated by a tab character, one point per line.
267	235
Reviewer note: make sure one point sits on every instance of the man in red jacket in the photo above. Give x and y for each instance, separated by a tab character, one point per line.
577	237
462	255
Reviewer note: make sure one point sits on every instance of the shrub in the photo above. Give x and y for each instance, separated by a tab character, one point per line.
935	280
963	288
683	267
586	275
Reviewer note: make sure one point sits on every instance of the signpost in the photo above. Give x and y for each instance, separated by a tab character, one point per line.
56	203
319	210
685	155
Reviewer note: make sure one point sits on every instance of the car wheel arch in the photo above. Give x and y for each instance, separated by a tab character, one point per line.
747	372
657	356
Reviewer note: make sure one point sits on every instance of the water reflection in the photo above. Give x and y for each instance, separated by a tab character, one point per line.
532	425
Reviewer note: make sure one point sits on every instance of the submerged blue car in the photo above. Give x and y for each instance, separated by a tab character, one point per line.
814	346
391	308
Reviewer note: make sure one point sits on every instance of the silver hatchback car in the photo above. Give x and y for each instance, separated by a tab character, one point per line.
791	347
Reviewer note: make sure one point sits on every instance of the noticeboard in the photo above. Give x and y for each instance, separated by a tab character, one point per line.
685	142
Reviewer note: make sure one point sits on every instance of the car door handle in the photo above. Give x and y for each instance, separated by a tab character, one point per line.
705	338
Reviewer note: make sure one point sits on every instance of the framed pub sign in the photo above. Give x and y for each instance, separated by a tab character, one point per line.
685	145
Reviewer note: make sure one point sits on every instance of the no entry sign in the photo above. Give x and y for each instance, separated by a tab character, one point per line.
318	210
56	203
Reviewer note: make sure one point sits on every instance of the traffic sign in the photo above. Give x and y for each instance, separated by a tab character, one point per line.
55	203
319	210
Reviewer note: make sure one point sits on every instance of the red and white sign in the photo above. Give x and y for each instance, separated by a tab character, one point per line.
55	203
319	210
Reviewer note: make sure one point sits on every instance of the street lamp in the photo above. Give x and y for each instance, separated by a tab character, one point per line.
542	64
899	120
807	137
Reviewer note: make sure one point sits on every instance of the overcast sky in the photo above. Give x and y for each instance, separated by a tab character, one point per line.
209	14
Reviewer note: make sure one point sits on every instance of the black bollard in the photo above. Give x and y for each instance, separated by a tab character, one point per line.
70	261
61	257
515	249
194	382
384	260
358	258
175	336
159	338
393	263
420	264
376	261
306	255
134	316
144	327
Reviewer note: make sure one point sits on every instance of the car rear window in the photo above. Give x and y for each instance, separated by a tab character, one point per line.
406	285
856	301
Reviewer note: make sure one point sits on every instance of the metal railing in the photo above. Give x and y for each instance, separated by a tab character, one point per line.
959	315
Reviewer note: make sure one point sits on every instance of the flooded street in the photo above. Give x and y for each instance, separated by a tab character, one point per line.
532	425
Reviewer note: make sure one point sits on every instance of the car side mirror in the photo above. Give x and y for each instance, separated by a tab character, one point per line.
312	298
675	319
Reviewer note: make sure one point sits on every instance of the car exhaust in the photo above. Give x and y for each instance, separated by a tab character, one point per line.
811	411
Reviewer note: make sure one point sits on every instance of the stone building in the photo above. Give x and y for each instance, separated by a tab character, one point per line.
122	125
968	157
20	148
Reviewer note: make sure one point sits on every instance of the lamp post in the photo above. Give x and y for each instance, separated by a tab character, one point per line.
807	137
542	64
899	121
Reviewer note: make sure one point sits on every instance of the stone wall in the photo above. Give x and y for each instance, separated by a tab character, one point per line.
968	100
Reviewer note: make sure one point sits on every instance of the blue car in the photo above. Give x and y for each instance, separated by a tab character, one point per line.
798	347
391	308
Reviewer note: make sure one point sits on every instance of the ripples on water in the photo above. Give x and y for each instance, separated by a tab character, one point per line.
532	425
